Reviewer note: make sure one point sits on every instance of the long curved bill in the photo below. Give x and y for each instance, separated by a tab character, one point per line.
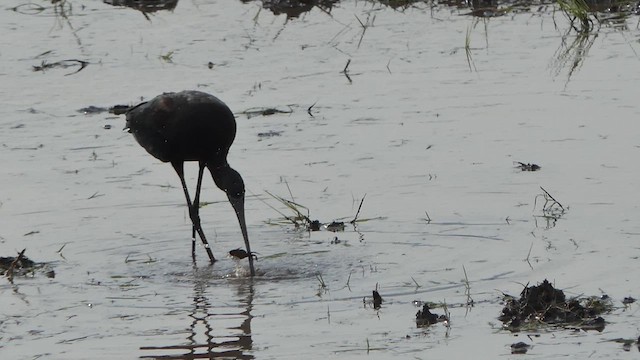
238	206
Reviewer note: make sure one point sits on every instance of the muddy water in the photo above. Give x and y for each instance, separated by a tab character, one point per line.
414	129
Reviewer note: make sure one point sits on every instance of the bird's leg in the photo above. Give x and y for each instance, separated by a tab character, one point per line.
196	205
193	213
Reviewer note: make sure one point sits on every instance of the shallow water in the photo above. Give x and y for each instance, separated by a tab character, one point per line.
415	130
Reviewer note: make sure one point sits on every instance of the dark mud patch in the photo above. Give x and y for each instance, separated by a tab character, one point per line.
543	305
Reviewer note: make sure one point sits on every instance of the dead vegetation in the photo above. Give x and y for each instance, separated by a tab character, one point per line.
543	305
21	265
552	209
527	166
301	219
63	64
425	317
146	7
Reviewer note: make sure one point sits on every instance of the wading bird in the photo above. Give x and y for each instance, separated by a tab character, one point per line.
192	126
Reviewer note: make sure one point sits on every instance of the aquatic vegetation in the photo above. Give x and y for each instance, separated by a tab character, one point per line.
577	10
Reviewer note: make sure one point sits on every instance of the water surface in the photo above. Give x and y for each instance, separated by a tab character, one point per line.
414	129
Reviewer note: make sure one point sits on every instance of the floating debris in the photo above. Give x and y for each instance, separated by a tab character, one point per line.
520	348
269	134
628	300
527	166
20	262
265	112
314	225
146	7
425	317
335	226
552	209
21	265
62	64
302	221
294	8
543	305
90	110
119	109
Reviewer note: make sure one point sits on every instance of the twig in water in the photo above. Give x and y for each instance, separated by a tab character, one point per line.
321	280
467	49
467	288
552	210
447	314
364	27
309	109
14	263
555	202
168	57
415	282
95	195
358	212
60	251
528	255
322	288
345	71
286	183
44	65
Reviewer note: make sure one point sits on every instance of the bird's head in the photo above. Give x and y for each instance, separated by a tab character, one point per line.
230	181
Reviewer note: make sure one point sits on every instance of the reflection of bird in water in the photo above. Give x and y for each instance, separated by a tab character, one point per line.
192	126
207	322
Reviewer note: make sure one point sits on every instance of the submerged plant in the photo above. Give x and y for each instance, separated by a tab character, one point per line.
467	50
578	10
571	55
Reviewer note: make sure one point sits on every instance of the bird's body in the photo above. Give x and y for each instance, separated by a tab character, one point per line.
187	126
192	126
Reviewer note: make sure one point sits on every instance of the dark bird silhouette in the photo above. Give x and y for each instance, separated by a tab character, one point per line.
192	126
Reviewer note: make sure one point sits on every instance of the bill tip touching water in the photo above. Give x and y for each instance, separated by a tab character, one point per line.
192	126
